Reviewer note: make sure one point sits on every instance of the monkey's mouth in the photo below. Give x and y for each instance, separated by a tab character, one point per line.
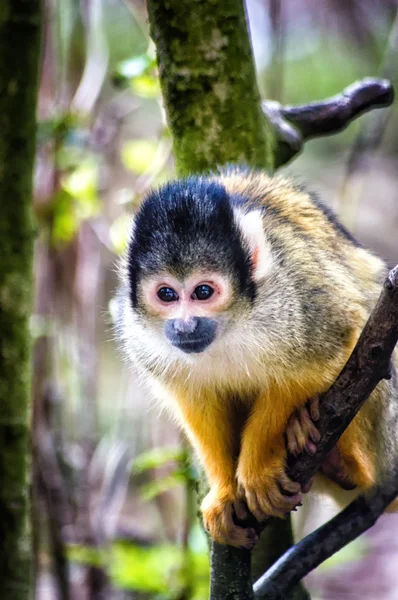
193	346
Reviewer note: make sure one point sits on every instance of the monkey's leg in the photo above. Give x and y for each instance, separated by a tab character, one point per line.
357	454
212	435
261	467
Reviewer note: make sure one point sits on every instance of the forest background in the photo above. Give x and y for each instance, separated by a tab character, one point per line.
114	500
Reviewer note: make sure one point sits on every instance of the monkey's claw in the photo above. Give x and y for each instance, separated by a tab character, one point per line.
218	510
301	433
270	496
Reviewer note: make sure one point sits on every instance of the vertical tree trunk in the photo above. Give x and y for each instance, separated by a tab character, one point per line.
20	22
209	84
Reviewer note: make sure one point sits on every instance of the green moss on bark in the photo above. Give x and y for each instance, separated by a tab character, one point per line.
19	51
209	84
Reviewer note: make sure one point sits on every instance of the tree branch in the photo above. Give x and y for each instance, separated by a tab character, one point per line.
368	364
310	552
294	125
230	573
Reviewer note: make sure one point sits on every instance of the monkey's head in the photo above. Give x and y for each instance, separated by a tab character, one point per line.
193	263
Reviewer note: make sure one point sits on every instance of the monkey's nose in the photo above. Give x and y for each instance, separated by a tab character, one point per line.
185	325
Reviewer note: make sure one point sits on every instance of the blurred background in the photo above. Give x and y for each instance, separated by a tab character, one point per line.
113	492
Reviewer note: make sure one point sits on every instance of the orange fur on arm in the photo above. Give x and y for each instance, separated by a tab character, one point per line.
208	425
263	449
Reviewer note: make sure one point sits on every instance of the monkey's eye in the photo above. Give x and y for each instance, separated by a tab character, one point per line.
202	292
166	294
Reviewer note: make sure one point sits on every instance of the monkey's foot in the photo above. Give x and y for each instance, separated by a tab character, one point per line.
218	509
269	496
301	433
333	468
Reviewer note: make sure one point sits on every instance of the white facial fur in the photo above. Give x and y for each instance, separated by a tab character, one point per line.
147	343
186	305
251	225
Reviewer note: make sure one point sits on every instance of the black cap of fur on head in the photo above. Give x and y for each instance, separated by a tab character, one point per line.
188	225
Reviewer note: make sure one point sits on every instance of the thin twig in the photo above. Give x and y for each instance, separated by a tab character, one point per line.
294	125
314	549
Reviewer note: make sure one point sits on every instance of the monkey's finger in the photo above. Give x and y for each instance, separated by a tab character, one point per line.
313	404
287	485
292	444
259	512
276	502
225	531
310	448
243	538
234	535
309	429
280	504
307	486
241	510
241	492
290	502
295	430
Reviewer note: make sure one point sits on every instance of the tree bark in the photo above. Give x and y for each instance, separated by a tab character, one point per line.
209	84
20	24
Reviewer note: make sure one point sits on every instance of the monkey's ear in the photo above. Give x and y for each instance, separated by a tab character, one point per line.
251	226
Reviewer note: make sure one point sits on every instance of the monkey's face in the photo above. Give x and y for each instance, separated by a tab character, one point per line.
194	260
191	312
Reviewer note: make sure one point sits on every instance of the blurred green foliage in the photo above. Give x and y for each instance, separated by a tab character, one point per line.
165	570
124	132
182	472
159	570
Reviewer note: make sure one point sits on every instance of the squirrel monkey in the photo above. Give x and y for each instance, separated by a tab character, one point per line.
242	297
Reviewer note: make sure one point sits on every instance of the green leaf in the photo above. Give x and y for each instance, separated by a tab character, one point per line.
138	155
119	233
86	555
65	223
145	569
150	490
163	569
157	457
146	86
136	66
81	184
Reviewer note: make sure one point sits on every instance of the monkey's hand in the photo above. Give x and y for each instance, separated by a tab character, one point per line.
301	433
268	493
218	509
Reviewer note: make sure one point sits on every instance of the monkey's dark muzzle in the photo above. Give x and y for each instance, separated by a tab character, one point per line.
191	335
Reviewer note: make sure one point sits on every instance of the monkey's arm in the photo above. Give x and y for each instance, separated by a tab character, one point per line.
261	467
209	425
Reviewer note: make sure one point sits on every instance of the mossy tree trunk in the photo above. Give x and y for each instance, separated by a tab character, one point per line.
214	111
209	84
19	59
